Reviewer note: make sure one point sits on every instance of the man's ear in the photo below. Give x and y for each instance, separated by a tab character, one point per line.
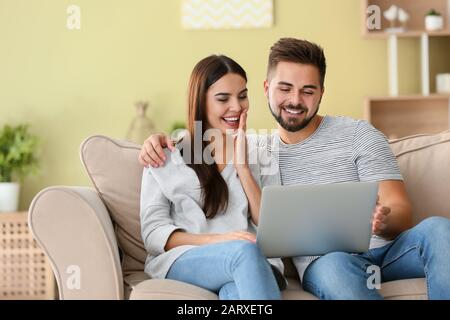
321	95
266	88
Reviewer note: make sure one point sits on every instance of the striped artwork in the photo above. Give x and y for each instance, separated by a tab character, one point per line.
226	14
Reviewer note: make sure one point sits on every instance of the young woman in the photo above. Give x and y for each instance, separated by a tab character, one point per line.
198	215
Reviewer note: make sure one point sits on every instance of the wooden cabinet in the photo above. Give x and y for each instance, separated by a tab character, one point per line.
398	115
25	272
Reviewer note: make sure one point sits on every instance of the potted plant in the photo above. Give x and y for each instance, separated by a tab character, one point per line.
17	159
434	21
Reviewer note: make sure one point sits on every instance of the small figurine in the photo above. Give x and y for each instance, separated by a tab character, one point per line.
403	17
391	15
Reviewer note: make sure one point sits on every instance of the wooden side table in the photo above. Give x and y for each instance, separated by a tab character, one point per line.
25	272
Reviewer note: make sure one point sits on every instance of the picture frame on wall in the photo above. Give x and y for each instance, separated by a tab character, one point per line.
226	14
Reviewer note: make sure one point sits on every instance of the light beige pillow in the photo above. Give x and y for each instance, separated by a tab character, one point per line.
113	167
424	162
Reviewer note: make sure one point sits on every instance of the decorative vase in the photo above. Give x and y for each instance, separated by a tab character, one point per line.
141	127
434	23
9	196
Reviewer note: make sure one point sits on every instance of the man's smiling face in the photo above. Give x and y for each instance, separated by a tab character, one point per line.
294	93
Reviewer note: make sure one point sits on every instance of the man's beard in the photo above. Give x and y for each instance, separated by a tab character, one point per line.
293	125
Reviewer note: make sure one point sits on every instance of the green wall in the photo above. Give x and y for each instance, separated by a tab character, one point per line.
72	84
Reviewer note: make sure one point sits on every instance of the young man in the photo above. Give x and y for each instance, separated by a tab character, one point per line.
313	149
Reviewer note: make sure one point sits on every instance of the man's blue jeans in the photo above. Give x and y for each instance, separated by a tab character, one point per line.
423	251
234	269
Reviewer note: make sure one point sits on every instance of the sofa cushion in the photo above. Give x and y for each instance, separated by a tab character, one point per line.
409	289
142	288
424	162
113	167
157	289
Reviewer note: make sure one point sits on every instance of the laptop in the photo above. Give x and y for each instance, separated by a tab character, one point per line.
310	220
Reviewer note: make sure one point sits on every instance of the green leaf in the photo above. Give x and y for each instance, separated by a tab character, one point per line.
433	12
17	152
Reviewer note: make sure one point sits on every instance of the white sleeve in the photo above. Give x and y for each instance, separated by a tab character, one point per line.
156	221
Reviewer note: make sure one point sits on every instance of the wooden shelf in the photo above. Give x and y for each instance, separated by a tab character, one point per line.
410	97
416	25
399	116
406	34
402	116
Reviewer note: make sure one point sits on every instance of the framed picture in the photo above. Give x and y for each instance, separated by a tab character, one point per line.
226	14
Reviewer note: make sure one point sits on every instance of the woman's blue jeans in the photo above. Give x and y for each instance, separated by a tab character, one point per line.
236	270
423	251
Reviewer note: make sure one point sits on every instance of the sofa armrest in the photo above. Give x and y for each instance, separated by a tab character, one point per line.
73	227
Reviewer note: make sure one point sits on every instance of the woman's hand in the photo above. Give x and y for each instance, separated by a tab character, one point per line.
181	238
251	187
231	236
240	145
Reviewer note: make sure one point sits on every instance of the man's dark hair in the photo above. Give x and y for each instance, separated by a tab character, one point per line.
299	51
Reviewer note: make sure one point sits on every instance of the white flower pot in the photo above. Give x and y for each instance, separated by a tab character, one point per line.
9	196
443	83
434	23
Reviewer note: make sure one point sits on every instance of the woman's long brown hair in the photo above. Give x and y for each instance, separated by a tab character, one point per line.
207	72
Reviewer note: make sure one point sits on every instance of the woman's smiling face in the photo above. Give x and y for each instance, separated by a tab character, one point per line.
226	99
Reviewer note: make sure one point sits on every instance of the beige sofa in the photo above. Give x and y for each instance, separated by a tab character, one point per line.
85	227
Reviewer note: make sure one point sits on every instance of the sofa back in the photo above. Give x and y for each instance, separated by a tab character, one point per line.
116	174
424	162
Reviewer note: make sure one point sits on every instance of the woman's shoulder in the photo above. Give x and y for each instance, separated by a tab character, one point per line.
173	166
258	151
261	141
263	164
174	177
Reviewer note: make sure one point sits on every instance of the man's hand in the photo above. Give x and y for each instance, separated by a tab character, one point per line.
152	153
380	219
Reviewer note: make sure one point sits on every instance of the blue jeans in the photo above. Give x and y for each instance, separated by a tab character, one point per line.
234	269
423	251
